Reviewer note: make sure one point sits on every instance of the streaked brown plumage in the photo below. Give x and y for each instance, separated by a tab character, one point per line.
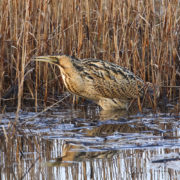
107	84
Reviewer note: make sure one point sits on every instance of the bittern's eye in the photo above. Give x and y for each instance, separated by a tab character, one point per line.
57	60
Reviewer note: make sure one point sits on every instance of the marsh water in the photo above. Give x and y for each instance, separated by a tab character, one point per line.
86	143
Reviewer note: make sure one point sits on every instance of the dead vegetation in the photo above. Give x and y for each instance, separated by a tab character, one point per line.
143	36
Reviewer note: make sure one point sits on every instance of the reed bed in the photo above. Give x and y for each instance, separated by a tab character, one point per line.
143	36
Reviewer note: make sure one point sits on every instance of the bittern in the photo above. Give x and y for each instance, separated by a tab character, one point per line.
108	85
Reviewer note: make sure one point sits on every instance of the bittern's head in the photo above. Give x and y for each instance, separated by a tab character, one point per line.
62	61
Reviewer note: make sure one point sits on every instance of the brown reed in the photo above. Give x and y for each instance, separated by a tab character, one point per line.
141	35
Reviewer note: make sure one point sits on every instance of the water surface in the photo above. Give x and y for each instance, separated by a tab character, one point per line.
84	143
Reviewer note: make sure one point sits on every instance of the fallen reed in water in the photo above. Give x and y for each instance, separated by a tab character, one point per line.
140	35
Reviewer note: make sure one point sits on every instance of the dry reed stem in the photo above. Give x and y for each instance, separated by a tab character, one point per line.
46	109
5	134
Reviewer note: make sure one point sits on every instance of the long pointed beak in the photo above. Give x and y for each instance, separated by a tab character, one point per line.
48	59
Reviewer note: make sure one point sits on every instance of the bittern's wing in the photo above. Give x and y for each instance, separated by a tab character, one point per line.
112	81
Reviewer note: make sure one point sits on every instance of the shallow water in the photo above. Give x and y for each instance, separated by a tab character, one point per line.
85	143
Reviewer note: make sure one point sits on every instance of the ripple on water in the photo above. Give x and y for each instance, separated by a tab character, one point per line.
66	136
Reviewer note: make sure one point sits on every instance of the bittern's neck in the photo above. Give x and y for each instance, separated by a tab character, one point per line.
70	75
